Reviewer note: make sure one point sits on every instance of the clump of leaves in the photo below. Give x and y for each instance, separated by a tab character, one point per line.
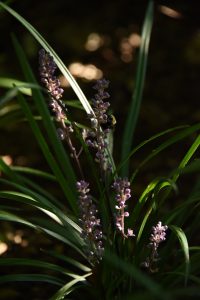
115	253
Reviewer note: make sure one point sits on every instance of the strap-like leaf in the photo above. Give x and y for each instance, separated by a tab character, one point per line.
32	278
140	277
57	60
138	89
184	246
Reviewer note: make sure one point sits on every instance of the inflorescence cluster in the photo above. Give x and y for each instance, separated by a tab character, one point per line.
123	193
158	236
90	224
47	68
96	138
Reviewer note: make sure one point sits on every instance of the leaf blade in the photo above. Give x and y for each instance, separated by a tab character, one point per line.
139	85
58	61
185	247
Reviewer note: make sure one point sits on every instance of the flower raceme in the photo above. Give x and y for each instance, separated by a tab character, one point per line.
97	135
99	105
123	193
157	236
90	224
47	68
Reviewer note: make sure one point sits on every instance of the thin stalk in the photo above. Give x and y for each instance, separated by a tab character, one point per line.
71	147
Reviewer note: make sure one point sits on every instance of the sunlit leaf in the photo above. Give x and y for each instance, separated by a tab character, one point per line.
184	246
66	289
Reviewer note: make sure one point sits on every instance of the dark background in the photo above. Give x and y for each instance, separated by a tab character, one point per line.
172	87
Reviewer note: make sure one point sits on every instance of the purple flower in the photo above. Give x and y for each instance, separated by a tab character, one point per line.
100	107
99	124
101	84
123	193
47	68
91	225
158	236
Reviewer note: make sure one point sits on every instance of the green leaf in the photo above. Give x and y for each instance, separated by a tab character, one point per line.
17	85
67	288
43	201
139	86
184	246
71	239
187	157
74	103
68	260
10	115
35	172
85	103
70	195
191	168
174	139
24	182
29	194
141	278
6	216
36	187
26	199
144	221
7	170
64	233
149	193
194	248
57	60
32	278
152	138
61	156
35	263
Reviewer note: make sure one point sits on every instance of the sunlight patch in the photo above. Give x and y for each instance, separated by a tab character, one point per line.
3	248
89	72
94	42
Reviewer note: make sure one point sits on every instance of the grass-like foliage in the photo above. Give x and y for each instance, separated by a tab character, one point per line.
116	248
